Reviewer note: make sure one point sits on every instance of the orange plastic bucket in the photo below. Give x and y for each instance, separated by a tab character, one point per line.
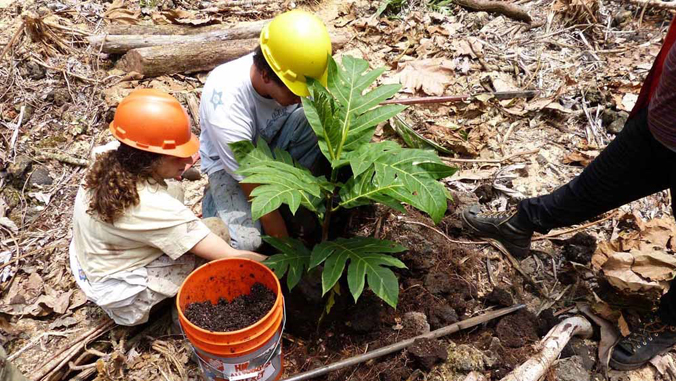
251	353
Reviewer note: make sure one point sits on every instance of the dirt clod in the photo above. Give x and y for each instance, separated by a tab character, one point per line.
579	248
501	297
438	283
518	329
441	315
427	352
239	313
415	323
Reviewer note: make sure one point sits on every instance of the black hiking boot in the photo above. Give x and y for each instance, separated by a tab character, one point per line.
650	340
501	228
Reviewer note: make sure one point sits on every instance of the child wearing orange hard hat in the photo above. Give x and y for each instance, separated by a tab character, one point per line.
134	241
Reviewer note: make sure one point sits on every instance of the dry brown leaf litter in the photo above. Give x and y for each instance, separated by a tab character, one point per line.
587	61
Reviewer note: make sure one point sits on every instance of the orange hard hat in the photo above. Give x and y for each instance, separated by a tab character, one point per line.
154	121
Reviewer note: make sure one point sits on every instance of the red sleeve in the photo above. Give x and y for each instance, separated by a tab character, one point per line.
653	78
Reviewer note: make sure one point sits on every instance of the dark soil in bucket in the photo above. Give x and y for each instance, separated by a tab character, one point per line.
239	313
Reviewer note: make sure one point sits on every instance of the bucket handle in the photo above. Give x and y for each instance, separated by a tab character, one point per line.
244	376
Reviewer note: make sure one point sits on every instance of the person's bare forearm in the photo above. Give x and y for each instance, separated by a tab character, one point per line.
273	223
212	247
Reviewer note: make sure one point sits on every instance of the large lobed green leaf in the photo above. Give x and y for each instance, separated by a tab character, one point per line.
345	115
282	181
367	263
293	260
389	174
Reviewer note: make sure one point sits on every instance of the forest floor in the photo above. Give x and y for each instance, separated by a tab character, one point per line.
587	59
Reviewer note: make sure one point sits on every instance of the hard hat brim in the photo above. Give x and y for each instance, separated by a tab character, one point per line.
184	150
300	87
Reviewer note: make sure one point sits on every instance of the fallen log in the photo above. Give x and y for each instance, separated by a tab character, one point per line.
510	10
189	58
552	345
158	30
119	44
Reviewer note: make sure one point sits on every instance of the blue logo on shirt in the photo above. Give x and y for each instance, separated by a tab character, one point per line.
216	98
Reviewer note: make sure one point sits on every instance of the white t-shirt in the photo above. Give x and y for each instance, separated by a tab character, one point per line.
231	111
159	224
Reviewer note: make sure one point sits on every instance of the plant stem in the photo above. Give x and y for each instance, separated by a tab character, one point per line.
329	207
327	217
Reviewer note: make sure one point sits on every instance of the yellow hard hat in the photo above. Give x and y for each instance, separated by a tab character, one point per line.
296	45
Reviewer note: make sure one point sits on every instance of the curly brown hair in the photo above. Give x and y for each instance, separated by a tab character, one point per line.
114	177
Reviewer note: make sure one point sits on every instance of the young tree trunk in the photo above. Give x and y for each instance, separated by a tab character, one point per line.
119	44
193	57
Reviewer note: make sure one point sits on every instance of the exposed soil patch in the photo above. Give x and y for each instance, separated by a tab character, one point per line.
239	313
518	329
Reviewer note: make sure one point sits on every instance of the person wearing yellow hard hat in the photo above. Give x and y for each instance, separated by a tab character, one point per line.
132	235
258	96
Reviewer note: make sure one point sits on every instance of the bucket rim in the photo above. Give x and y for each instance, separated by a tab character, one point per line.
279	298
234	343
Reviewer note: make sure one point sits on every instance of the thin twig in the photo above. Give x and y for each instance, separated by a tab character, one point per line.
15	134
573	230
36	340
72	366
502	160
31	253
12	41
443	234
46	66
63	158
506	137
62	357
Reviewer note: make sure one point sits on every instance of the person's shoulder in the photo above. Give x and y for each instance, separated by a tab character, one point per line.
157	196
230	74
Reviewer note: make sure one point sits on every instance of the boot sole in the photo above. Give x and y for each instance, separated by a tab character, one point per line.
631	366
516	251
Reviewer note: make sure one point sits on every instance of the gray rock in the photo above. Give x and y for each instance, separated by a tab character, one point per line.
40	177
570	369
614	120
465	358
617	125
416	323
